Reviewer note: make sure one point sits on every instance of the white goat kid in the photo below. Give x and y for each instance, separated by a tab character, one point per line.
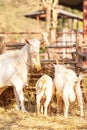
43	93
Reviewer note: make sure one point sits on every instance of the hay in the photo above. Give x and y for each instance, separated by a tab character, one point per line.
11	119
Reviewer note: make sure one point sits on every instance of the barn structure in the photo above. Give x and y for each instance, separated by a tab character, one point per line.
66	37
80	5
40	15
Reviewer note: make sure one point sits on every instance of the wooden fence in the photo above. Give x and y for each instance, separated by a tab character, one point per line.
66	43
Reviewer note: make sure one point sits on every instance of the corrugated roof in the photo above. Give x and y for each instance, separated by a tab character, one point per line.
70	15
60	14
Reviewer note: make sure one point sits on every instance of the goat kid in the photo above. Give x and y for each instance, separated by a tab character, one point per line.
43	93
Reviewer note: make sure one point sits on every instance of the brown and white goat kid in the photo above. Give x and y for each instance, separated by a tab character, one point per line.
43	93
68	87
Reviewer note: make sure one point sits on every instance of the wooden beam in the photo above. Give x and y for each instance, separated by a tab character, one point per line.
85	19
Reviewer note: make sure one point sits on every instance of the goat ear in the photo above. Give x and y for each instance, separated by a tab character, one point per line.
43	43
27	41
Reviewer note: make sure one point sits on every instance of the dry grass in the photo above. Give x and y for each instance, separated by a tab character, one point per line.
12	15
11	119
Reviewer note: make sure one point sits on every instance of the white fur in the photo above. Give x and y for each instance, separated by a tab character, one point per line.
67	86
14	67
43	90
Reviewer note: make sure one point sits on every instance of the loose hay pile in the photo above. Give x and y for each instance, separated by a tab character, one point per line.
11	119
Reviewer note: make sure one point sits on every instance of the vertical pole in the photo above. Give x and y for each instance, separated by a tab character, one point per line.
85	20
77	40
38	24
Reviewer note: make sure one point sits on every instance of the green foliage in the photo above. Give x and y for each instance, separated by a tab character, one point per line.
42	50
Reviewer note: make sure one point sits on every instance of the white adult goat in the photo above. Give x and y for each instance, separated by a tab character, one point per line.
68	87
14	68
